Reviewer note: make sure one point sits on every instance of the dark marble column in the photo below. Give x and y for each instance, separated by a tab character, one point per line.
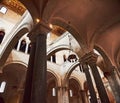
90	59
114	83
99	84
39	71
90	84
28	84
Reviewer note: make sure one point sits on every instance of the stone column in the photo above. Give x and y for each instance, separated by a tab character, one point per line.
114	83
99	84
18	46
59	91
90	59
28	84
90	84
65	95
84	96
39	71
26	49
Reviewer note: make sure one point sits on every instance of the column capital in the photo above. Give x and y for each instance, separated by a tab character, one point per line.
39	28
89	58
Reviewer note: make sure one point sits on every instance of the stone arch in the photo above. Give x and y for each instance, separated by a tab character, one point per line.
71	68
70	28
52	85
10	45
56	49
56	76
15	62
118	60
74	90
75	78
14	74
105	58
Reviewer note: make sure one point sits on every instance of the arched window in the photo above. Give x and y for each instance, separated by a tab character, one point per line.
3	9
2	87
29	48
2	34
23	45
64	57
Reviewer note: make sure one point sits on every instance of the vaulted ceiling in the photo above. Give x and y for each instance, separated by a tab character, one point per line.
94	23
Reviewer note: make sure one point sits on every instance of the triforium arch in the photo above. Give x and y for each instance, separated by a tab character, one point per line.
13	74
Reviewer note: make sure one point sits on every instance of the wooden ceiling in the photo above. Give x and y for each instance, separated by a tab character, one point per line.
14	5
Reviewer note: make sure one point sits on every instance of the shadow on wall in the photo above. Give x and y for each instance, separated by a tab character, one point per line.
1	100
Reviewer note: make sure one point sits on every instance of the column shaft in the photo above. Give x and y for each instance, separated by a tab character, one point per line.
28	84
84	96
99	84
39	72
114	85
65	95
90	84
59	94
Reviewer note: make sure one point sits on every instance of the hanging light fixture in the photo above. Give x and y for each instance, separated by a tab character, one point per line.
72	57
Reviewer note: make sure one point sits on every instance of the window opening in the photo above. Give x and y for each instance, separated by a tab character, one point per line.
53	92
23	46
3	10
71	93
2	87
2	34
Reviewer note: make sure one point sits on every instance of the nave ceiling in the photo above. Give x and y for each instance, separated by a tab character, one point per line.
92	22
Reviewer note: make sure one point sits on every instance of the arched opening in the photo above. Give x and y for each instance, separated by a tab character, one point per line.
29	48
74	91
51	88
2	34
14	77
23	45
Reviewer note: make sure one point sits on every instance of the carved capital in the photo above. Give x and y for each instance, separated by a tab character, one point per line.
89	58
40	28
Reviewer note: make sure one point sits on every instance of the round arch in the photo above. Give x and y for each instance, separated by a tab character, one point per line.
56	77
76	79
70	28
52	85
105	57
10	45
14	76
56	49
74	91
67	76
